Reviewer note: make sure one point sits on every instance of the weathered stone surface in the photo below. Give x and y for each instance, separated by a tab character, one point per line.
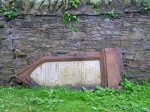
39	35
137	35
19	53
127	2
27	4
126	24
46	6
37	4
148	37
147	46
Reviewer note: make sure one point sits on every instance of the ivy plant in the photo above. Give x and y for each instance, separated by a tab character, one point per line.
9	10
96	6
147	4
112	14
74	3
69	20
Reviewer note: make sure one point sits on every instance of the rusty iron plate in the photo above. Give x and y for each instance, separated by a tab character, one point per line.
88	69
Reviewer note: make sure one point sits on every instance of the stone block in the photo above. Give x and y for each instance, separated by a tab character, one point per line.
137	35
126	24
147	46
19	53
148	37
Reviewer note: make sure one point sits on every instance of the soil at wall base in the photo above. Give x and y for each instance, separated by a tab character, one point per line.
4	83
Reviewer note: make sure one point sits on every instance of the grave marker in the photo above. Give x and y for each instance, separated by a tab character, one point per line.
88	69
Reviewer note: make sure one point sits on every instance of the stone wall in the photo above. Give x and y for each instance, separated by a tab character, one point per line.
29	37
83	6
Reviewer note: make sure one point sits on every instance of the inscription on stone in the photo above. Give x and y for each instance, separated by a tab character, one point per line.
72	73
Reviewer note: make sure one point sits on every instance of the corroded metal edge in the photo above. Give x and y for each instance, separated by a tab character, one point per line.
110	68
113	66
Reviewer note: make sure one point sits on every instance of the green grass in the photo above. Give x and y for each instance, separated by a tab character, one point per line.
134	98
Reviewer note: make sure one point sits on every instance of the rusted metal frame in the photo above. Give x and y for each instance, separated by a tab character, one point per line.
24	75
104	80
50	58
111	66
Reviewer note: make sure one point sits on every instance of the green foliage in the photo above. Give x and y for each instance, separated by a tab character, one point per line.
9	10
74	3
1	26
147	4
44	99
112	14
127	85
96	6
70	21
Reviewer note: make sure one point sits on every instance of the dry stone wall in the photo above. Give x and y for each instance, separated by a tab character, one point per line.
83	6
39	30
31	36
